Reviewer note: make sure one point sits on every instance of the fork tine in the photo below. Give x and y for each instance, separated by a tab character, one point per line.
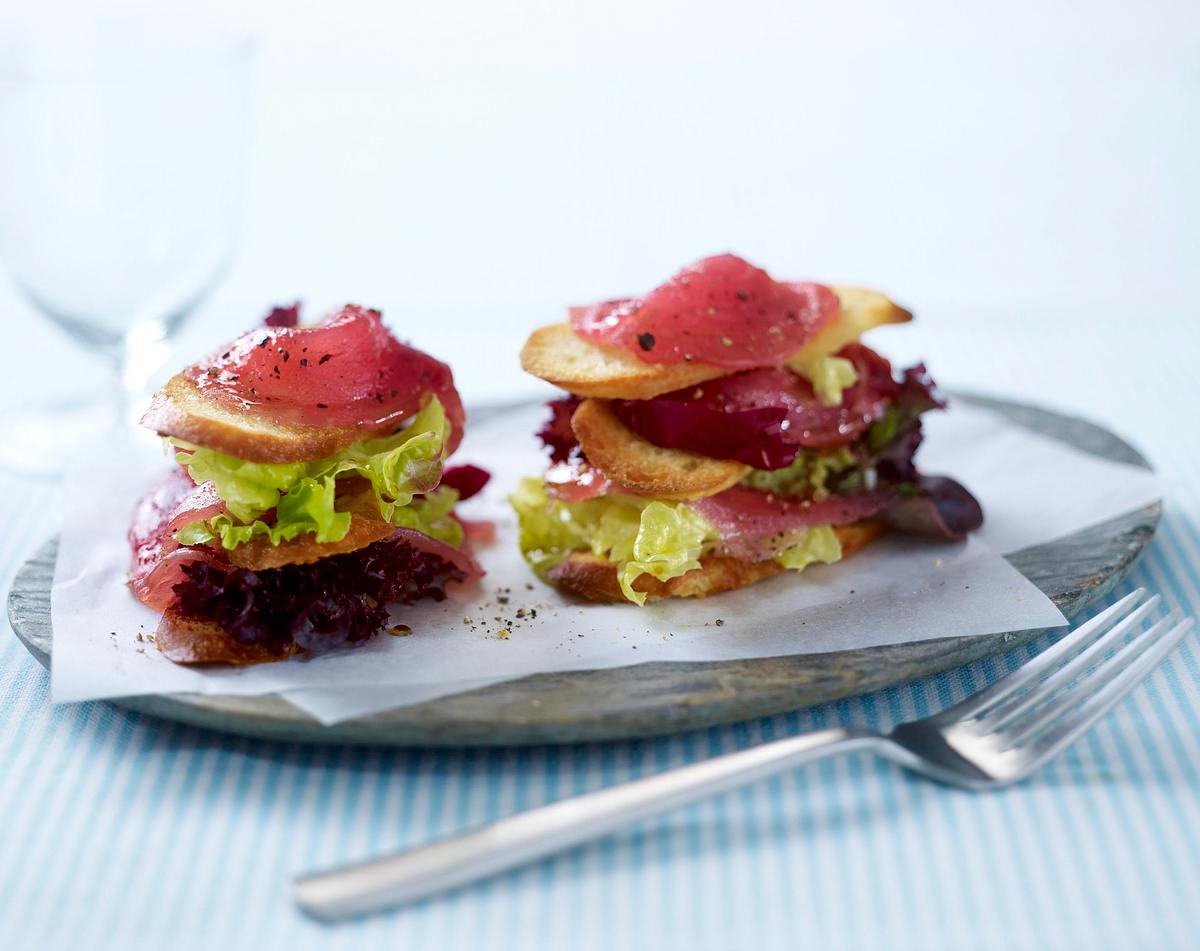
1074	724
1046	661
1061	701
1016	707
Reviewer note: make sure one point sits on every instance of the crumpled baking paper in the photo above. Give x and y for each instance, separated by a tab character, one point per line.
510	625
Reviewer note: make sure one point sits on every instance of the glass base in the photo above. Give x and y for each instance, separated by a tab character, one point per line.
38	440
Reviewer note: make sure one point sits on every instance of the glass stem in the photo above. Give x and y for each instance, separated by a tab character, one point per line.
143	351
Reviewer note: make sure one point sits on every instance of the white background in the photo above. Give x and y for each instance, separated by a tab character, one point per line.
1022	175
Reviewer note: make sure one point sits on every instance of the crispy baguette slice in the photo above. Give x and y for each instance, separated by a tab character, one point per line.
595	579
644	468
188	641
559	356
367	526
179	409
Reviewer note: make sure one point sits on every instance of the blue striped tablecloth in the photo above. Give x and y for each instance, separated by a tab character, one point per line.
119	831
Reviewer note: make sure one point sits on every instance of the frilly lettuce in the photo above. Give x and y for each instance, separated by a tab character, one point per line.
806	477
303	494
820	544
640	536
429	514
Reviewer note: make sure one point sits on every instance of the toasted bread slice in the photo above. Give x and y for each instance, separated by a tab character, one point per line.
559	356
595	579
179	409
188	641
644	468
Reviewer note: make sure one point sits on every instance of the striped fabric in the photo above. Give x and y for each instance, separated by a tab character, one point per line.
119	831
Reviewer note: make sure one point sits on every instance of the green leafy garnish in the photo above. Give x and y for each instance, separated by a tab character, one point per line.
303	494
820	544
807	477
639	536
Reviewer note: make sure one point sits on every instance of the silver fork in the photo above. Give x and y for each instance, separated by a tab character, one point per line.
995	737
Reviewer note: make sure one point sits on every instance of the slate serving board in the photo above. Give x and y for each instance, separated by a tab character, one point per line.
657	698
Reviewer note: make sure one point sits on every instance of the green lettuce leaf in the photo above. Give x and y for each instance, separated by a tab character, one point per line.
820	544
431	514
807	477
303	494
639	536
313	511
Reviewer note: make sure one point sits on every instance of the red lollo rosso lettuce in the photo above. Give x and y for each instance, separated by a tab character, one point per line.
283	316
466	479
331	603
556	433
935	506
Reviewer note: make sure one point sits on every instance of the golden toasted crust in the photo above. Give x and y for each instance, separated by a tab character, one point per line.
641	466
187	641
595	579
367	526
560	356
181	410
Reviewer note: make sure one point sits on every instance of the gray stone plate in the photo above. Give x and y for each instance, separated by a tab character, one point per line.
662	697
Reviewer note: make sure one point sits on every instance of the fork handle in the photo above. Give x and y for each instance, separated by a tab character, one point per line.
507	843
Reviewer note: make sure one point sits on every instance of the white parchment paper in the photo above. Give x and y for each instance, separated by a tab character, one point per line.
898	590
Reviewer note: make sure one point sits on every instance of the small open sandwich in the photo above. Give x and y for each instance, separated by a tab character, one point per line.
309	493
723	428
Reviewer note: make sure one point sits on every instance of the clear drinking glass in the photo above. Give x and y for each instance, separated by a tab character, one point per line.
122	147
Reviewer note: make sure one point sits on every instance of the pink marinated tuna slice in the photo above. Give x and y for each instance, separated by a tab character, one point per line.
158	559
577	480
755	525
721	311
346	371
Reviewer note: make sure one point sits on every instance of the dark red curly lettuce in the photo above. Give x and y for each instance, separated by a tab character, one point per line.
335	602
556	433
283	316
